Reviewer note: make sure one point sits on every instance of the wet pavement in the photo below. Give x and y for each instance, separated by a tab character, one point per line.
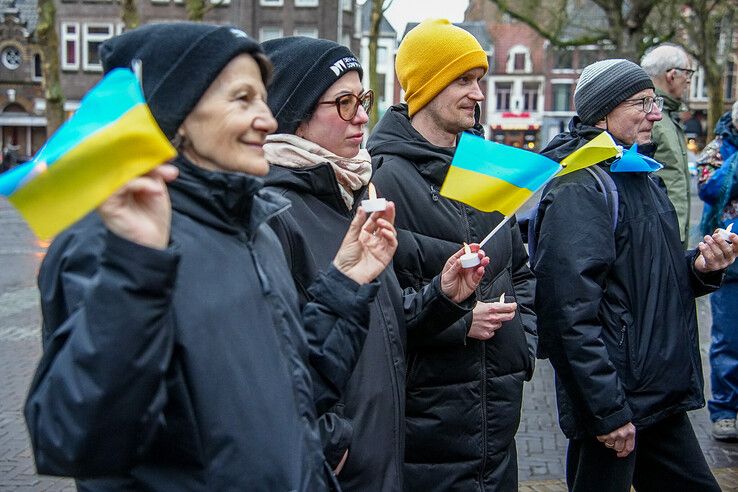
541	445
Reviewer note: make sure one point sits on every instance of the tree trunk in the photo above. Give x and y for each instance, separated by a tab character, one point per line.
196	9
49	42
376	19
129	14
715	108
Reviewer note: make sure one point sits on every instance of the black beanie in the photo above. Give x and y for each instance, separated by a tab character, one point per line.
304	68
179	62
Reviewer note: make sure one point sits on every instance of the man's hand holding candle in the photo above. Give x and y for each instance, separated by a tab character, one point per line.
489	316
716	253
458	282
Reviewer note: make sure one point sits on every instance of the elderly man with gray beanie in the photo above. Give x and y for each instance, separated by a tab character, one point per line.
615	300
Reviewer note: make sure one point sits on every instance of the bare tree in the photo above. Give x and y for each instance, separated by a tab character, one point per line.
708	26
129	14
630	27
49	42
379	7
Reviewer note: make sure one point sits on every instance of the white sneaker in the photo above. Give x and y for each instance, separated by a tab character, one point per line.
724	430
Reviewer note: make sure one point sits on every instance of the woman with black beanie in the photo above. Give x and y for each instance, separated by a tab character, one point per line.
175	352
318	164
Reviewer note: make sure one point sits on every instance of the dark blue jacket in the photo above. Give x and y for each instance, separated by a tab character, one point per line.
189	369
616	311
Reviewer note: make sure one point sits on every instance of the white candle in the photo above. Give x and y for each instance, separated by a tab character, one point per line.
374	204
725	233
469	259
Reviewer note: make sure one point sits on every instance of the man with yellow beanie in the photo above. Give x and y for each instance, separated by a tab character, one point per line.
464	383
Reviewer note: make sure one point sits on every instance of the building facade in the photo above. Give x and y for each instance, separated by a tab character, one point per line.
83	25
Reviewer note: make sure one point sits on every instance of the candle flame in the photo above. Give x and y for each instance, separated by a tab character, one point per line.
372	192
729	228
502	298
467	249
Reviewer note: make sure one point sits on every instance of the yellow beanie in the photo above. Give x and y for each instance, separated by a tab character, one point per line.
431	56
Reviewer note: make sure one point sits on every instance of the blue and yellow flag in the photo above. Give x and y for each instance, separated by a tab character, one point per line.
490	176
111	139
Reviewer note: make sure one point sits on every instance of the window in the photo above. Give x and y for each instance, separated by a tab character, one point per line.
12	57
94	35
519	63
38	73
730	75
381	56
502	95
587	57
561	97
267	33
563	59
347	5
306	3
518	59
271	3
309	32
70	46
381	81
346	40
530	96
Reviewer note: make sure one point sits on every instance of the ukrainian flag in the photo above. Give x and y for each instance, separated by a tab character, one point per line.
493	177
111	139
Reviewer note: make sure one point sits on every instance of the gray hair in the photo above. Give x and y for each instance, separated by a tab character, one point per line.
664	57
734	114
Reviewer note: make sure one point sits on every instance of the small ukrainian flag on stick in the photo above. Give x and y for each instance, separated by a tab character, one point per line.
111	139
494	177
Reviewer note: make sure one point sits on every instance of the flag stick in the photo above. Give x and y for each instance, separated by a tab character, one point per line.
497	228
507	217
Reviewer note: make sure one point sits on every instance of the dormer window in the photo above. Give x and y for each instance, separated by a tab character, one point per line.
518	60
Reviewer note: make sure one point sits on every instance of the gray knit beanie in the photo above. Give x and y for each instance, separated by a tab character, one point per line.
605	84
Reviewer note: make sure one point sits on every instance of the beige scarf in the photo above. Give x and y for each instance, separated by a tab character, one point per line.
352	173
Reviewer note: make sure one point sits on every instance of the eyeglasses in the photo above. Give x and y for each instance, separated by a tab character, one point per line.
649	103
347	105
687	71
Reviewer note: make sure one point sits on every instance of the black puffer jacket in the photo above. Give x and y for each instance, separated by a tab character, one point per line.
189	369
373	405
616	312
463	395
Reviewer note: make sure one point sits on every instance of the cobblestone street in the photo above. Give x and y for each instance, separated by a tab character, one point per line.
541	445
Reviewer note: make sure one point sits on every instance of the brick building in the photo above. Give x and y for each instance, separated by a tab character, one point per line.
82	25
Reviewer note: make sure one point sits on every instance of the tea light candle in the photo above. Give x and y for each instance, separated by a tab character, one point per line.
374	204
725	233
469	259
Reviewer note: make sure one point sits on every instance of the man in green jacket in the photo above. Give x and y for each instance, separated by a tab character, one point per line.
670	69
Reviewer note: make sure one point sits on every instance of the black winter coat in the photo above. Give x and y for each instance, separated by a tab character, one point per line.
616	312
373	405
463	395
189	369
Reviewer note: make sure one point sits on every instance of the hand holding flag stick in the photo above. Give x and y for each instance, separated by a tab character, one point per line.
493	177
111	139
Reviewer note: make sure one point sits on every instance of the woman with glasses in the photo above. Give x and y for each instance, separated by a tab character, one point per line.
317	163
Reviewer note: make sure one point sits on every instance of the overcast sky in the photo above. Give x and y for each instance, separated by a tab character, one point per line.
404	11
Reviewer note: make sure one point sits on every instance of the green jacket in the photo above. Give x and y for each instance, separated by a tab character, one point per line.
671	151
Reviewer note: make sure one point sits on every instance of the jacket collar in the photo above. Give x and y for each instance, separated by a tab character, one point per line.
231	202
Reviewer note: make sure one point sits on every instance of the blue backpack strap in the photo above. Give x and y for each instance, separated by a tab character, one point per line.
609	189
